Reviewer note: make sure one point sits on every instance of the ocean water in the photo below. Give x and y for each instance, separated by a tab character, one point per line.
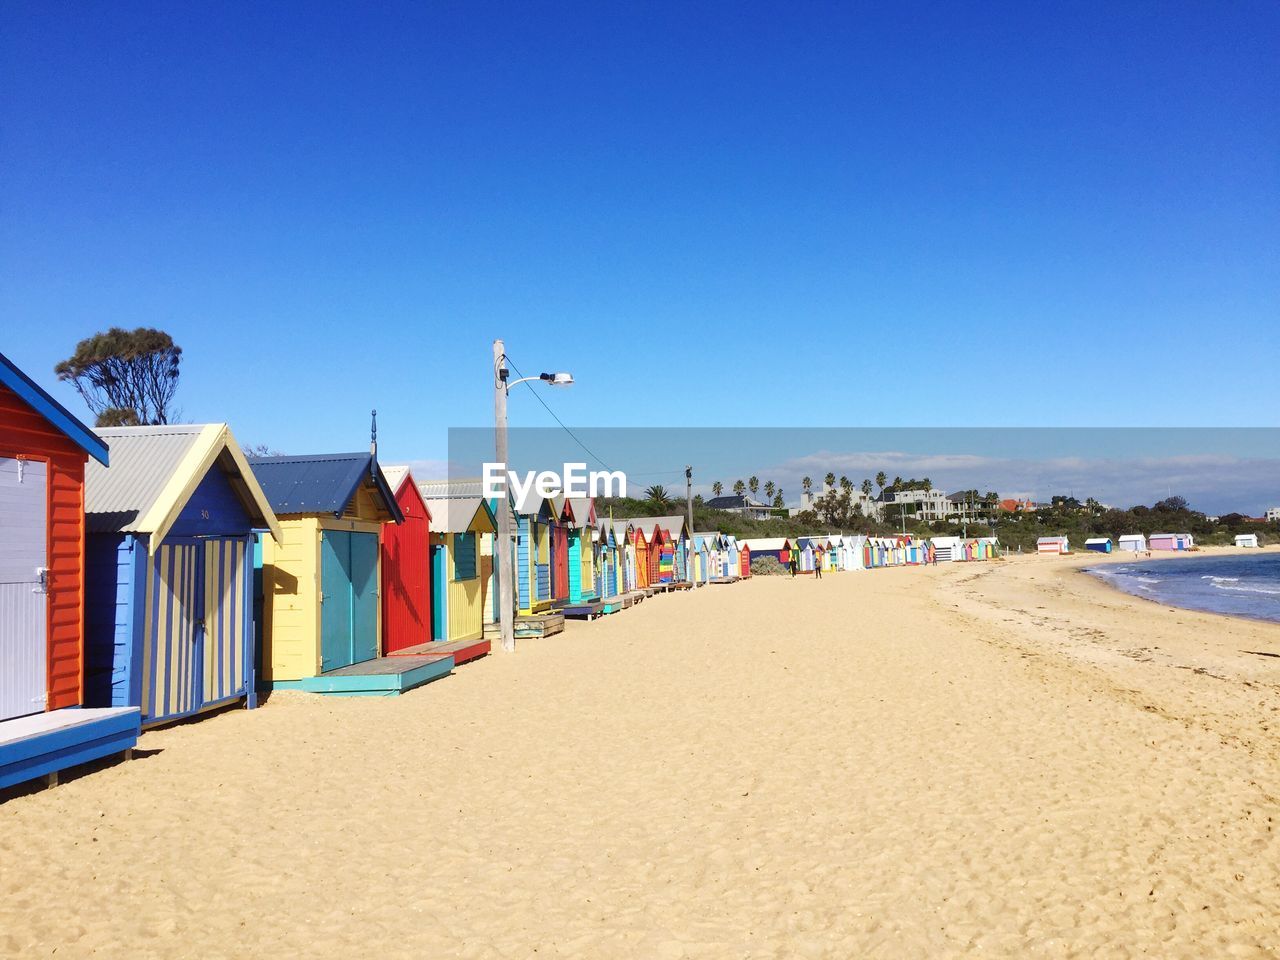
1242	586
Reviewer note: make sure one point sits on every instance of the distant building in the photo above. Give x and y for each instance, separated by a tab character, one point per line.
1273	515
926	505
1016	506
871	507
733	503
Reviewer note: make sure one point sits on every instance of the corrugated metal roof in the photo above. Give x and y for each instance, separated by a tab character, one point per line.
670	525
146	458
765	543
581	507
155	471
322	483
444	489
455	514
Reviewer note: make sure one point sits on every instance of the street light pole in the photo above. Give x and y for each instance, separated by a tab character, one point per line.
505	547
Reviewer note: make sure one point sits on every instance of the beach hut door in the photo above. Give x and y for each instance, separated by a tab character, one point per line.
24	599
174	664
349	598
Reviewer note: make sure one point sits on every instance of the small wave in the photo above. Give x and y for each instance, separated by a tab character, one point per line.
1221	579
1264	590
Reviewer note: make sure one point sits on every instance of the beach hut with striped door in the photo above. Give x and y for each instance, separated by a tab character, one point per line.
406	567
701	556
607	560
1098	544
732	556
948	549
458	592
679	536
1053	545
169	575
535	518
321	576
43	453
744	559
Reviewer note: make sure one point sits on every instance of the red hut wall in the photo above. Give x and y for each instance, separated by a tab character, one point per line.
406	574
744	561
25	434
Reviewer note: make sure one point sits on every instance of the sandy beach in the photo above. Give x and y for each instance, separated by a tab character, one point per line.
1001	759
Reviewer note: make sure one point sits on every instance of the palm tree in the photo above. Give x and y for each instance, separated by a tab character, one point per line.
753	484
866	487
897	483
927	484
717	488
777	499
657	495
881	480
739	487
769	488
846	484
807	484
830	479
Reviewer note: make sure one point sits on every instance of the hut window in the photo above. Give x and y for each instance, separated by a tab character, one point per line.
464	556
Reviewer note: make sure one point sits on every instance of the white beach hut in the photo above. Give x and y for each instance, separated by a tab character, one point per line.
1053	545
947	549
1246	539
1133	542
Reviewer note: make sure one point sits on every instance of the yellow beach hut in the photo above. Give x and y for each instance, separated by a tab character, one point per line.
458	525
320	579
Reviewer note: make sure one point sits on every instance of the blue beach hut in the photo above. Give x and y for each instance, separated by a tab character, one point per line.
169	573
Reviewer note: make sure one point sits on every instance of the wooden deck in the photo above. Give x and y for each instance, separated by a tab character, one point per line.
44	744
383	677
724	579
539	625
461	650
584	609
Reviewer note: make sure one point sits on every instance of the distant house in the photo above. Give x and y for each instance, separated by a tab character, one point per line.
1016	506
743	505
1273	515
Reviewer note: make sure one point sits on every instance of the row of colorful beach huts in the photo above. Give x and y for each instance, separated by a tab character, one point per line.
150	574
1127	543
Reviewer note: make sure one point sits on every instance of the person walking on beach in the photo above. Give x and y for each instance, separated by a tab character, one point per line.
793	564
817	565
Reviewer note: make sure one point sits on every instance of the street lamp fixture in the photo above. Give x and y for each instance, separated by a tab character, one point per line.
505	547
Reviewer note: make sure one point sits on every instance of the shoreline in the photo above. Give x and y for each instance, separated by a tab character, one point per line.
1203	553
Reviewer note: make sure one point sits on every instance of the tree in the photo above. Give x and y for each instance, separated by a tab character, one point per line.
739	487
717	488
829	480
897	483
125	376
881	480
753	484
926	484
657	495
778	501
807	484
769	488
846	484
866	487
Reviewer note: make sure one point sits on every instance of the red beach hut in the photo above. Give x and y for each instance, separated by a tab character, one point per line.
43	452
406	567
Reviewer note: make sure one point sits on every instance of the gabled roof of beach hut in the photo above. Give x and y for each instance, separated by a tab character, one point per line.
445	489
584	510
323	483
154	471
766	543
461	515
52	411
533	504
672	526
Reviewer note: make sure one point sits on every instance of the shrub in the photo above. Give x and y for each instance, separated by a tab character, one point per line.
767	567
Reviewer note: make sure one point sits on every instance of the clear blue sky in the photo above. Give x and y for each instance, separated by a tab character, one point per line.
841	214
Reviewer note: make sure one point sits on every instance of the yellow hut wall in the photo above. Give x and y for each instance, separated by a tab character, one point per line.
291	601
464	603
291	594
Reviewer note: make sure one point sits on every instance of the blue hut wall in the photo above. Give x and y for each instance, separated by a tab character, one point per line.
115	594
